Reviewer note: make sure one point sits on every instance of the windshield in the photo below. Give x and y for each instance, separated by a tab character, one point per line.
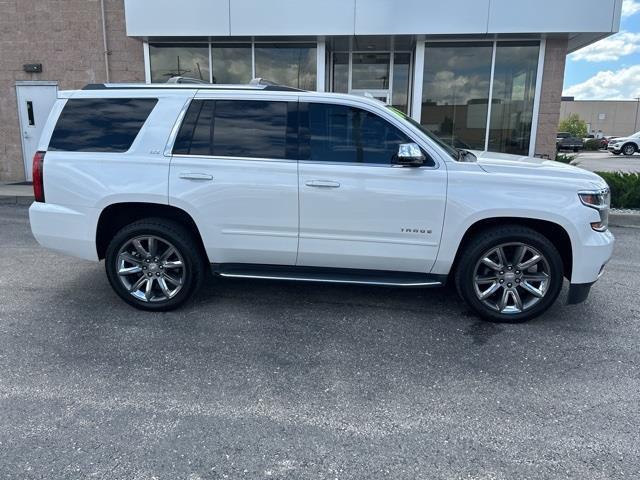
455	153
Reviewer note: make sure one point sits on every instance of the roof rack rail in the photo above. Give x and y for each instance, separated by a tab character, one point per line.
190	83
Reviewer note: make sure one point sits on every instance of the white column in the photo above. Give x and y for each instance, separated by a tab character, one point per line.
418	73
321	64
147	63
536	100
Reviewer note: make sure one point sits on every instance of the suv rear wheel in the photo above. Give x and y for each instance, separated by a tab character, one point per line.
154	264
509	274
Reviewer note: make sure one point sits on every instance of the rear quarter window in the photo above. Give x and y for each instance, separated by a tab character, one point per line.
100	125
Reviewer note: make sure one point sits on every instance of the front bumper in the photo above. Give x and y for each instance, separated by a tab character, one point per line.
578	293
614	149
589	260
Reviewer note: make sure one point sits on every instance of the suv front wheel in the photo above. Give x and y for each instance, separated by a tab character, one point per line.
629	149
154	264
509	274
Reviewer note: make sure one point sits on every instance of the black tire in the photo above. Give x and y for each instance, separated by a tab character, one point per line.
464	276
576	149
191	256
628	149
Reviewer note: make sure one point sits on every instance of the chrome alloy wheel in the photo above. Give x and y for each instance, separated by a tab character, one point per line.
511	278
150	268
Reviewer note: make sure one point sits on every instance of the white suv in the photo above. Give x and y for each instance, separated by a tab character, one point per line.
626	145
262	181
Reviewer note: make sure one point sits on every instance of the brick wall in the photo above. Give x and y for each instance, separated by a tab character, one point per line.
550	94
66	37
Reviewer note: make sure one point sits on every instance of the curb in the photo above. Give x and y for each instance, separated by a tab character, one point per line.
16	200
631	220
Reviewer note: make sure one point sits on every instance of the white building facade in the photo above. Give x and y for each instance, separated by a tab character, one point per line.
469	70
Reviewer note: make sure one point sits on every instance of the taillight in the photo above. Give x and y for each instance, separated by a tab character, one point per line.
38	180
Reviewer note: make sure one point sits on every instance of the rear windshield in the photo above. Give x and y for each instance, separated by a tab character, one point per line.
100	125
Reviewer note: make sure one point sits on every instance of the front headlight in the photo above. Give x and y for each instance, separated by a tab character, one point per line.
601	201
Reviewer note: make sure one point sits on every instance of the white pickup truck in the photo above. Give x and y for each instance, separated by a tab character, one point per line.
262	181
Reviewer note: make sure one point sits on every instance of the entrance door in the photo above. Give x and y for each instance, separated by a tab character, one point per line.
35	101
370	75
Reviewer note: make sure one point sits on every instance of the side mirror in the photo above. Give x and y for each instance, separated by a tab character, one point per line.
409	155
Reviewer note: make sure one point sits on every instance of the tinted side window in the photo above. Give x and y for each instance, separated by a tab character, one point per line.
238	128
100	125
338	133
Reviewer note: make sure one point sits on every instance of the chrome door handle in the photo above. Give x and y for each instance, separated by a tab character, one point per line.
195	176
322	184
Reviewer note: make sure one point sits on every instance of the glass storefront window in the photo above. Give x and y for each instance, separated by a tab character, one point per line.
231	63
455	92
179	60
340	73
294	65
514	87
401	73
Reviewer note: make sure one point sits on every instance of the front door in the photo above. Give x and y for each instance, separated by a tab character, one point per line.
35	101
357	210
234	169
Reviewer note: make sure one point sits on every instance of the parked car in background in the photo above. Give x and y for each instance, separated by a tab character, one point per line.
625	145
566	141
605	141
269	182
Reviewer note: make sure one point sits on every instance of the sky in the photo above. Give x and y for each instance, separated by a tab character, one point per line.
610	68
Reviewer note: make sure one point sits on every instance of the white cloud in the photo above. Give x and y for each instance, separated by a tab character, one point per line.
623	84
610	49
630	7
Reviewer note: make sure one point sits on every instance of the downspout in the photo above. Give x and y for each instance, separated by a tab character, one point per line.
104	40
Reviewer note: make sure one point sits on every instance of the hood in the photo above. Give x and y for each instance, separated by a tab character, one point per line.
540	168
621	140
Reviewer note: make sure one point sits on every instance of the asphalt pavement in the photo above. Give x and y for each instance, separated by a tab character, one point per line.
261	380
603	161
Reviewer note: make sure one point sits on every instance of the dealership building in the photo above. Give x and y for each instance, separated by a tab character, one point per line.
481	74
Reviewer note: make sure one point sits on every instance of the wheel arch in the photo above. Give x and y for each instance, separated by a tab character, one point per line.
117	215
554	232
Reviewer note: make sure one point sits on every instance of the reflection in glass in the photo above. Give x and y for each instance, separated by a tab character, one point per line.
401	72
514	88
179	60
340	73
455	92
339	133
231	63
370	71
293	65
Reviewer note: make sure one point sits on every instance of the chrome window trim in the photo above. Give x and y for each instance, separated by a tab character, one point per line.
245	159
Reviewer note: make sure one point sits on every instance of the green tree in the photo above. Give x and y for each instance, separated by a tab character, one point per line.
574	125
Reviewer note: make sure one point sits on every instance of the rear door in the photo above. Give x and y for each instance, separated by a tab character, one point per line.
234	169
357	210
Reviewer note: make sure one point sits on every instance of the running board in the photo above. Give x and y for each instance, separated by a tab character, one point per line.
328	275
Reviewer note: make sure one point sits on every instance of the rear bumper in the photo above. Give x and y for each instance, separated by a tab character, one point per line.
67	230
